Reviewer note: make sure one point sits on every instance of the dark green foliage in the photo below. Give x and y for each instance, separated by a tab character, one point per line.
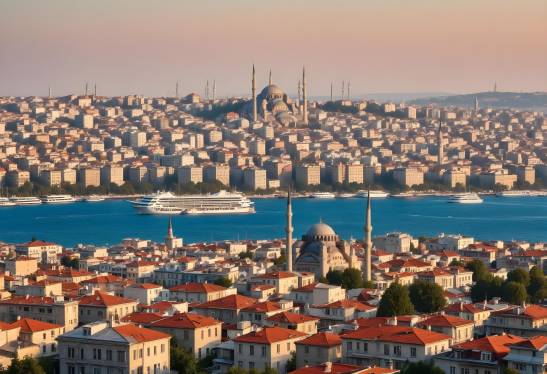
352	278
427	297
335	277
537	289
479	269
395	302
223	281
281	260
510	371
69	262
519	275
27	365
291	364
514	293
421	368
247	254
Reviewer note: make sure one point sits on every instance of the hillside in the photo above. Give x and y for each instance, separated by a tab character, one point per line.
513	100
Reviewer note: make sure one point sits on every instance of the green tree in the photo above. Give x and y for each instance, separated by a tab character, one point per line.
27	365
455	262
486	289
519	275
421	367
395	302
223	281
281	260
514	293
352	278
182	361
291	363
537	289
236	370
427	297
335	277
479	269
246	254
510	371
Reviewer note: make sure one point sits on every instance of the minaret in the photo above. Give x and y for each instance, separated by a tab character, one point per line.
348	90
270	78
170	237
214	89
255	109
177	89
343	89
440	154
95	89
207	89
331	92
476	104
368	240
299	101
86	88
495	86
49	92
288	230
304	97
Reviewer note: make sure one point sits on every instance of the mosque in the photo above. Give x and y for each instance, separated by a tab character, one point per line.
274	105
321	249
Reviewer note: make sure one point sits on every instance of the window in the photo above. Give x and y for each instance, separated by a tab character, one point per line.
109	354
263	351
70	352
365	347
121	356
251	365
240	348
251	350
397	350
413	352
452	370
386	349
71	369
278	348
348	346
306	349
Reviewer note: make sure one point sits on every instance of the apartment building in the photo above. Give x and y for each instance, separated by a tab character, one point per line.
318	348
104	307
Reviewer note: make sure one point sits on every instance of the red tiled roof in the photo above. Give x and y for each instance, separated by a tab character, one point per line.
289	317
35	243
104	279
372	322
349	304
269	335
228	302
536	342
276	275
397	334
186	321
198	288
498	344
445	321
322	339
32	325
263	307
142	317
103	299
336	368
35	300
461	307
139	334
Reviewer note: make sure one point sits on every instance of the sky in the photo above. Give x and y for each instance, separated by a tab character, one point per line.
144	47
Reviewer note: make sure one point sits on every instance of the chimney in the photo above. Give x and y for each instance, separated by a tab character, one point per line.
328	367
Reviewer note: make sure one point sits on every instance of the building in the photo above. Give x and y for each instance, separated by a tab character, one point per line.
254	179
89	177
394	242
226	309
459	329
197	334
216	172
190	174
528	356
408	177
341	368
525	320
45	252
269	347
307	175
21	266
322	250
199	292
318	349
104	307
112	174
102	347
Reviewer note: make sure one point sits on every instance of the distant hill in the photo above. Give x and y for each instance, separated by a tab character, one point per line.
513	100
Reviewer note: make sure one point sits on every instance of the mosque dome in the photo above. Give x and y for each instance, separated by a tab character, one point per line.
320	232
279	105
272	91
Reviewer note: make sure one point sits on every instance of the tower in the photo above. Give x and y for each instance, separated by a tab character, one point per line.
177	89
343	89
331	92
170	238
304	97
288	230
476	104
270	78
86	88
440	154
214	89
368	240
95	89
495	86
255	109
49	92
348	91
299	99
207	89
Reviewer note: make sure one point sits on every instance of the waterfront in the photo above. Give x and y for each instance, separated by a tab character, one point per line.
108	222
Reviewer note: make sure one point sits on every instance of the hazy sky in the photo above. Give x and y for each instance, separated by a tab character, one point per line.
134	46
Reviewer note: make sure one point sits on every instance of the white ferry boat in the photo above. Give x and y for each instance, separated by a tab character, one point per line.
466	198
26	200
58	199
93	198
514	193
222	202
322	195
4	201
346	195
405	195
373	194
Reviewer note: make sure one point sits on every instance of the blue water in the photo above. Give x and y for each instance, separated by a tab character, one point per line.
108	222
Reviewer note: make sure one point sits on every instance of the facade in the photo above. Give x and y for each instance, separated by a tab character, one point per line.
104	307
318	348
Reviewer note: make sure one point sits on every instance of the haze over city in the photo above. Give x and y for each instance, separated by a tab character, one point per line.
130	47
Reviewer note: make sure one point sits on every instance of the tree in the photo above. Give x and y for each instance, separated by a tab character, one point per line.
455	262
510	371
486	289
421	367
246	254
519	275
427	297
537	289
223	281
335	277
352	278
281	260
182	361
291	363
395	302
28	365
236	370
479	269
514	293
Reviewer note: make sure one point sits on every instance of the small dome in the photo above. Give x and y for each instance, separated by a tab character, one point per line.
320	229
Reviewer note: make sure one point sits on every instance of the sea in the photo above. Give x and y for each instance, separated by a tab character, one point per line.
108	222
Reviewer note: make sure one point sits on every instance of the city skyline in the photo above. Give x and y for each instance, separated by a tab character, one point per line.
389	46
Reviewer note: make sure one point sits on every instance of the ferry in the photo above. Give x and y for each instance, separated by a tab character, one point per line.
373	194
4	201
466	198
58	199
93	198
322	195
514	193
222	202
346	195
26	200
405	195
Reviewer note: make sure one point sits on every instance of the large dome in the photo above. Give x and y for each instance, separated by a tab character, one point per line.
272	92
320	232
